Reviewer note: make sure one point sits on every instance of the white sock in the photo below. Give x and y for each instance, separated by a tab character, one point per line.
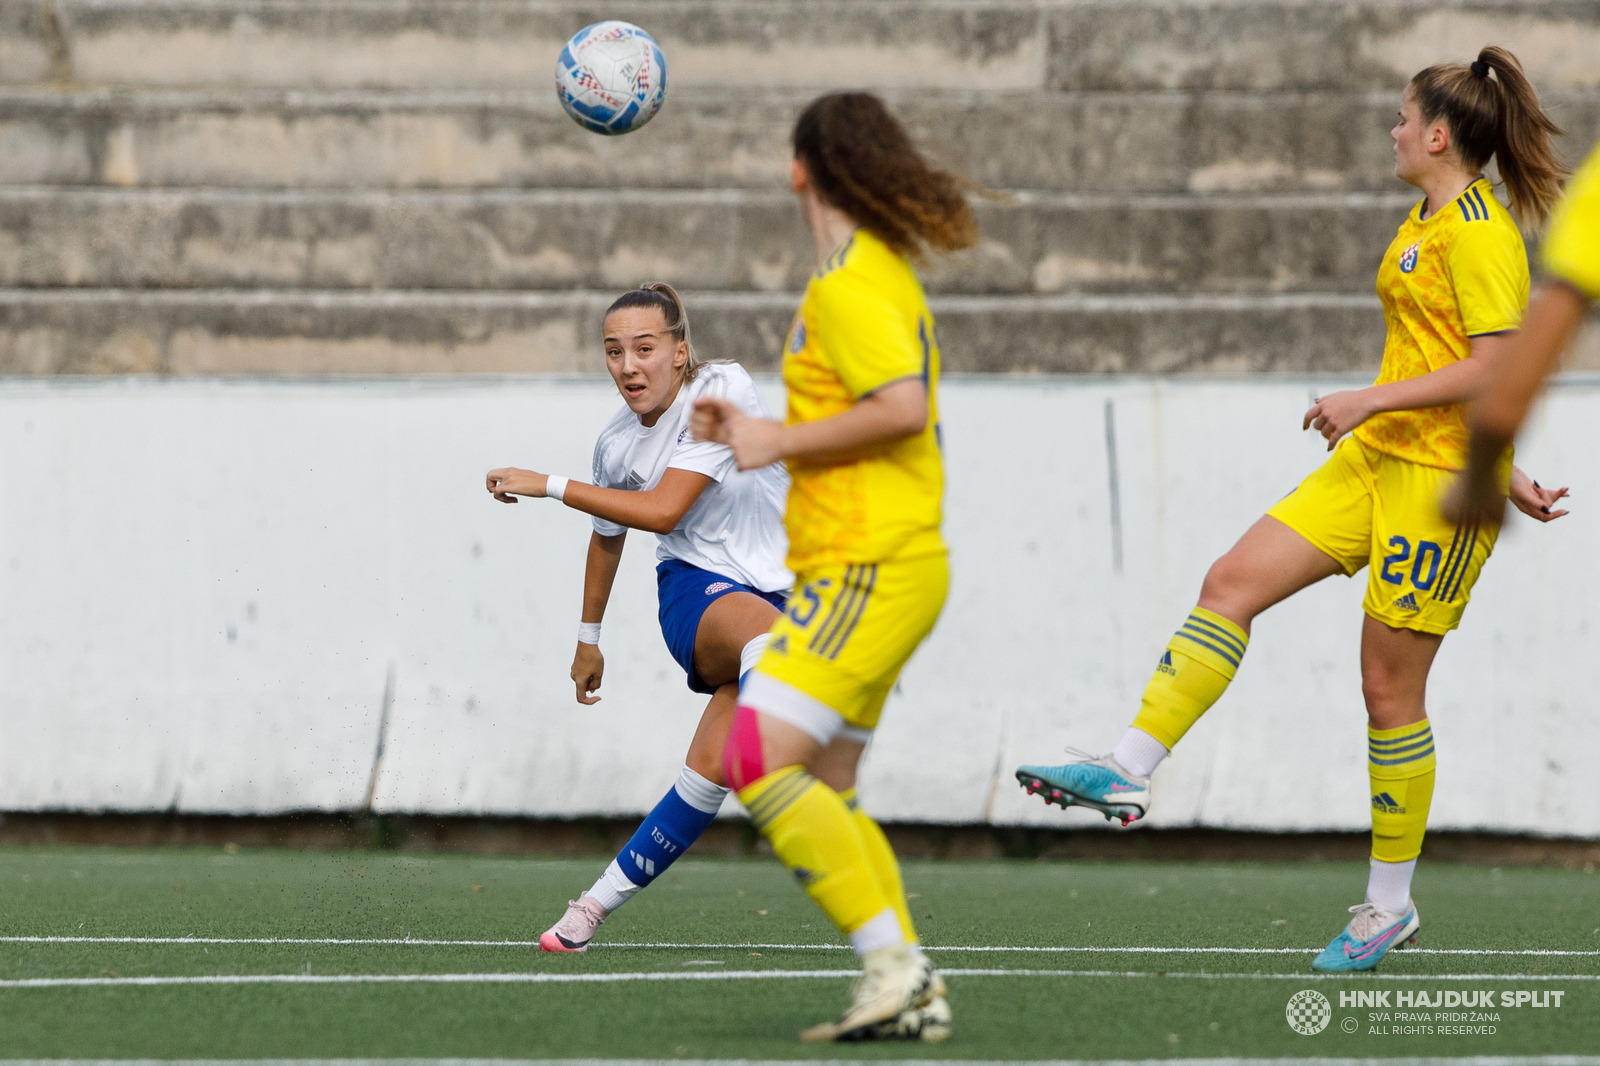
1139	752
881	931
613	889
1389	884
698	792
752	652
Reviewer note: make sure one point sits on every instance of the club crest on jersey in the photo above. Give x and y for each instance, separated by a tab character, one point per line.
797	336
1408	258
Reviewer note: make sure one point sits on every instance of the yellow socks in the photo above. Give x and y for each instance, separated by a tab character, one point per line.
1400	763
884	864
814	834
1193	673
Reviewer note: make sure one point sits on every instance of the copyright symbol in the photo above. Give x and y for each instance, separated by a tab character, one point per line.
1349	1025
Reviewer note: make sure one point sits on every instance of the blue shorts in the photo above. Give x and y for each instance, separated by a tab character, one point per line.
685	592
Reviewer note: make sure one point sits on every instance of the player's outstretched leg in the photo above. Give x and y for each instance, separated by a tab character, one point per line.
1400	768
676	822
1269	563
689	806
1194	671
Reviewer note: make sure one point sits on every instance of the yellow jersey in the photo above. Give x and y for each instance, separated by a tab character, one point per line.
1459	274
863	324
1572	244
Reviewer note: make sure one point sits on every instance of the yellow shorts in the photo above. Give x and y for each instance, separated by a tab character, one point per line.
1366	508
843	639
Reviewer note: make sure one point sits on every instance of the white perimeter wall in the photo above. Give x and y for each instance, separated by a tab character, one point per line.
209	590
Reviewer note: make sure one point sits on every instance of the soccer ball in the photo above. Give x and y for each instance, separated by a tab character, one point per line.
611	77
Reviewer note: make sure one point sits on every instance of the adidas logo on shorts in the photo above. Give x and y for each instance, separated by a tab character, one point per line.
1408	602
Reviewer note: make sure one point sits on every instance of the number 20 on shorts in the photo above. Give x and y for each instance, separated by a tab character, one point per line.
1424	566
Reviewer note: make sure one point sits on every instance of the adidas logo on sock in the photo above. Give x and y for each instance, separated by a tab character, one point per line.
647	865
1386	803
1165	665
1408	602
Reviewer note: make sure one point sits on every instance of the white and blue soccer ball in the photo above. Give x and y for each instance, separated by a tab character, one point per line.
611	77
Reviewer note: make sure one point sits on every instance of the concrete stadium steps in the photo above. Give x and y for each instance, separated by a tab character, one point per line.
377	186
985	45
1142	142
287	332
722	240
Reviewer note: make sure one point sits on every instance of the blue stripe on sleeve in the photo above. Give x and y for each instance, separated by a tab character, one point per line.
1217	631
1422	741
1225	653
1402	759
1374	742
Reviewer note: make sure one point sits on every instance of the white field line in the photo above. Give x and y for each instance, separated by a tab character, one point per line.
413	942
1465	1060
703	975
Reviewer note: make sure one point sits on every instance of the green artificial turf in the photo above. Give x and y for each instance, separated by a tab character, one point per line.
82	892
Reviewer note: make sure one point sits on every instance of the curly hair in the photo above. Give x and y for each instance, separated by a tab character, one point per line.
861	160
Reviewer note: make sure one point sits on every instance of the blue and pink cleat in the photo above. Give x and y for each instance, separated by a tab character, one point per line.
1097	782
1368	938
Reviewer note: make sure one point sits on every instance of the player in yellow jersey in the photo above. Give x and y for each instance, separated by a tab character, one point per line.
861	440
1453	285
1572	261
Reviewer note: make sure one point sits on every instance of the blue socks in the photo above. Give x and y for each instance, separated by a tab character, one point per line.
683	814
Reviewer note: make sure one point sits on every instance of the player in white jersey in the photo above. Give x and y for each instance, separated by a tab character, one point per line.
721	579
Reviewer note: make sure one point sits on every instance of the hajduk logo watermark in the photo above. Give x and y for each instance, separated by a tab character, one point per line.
1308	1012
1442	1012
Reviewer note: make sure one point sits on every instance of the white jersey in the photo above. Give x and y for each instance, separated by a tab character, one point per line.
736	527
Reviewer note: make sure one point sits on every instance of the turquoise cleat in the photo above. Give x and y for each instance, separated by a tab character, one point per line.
1099	783
1368	938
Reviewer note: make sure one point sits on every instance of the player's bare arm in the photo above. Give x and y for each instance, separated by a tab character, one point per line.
1553	318
1336	414
599	572
894	412
658	510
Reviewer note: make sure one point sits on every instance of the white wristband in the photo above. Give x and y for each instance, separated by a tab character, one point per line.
555	487
588	632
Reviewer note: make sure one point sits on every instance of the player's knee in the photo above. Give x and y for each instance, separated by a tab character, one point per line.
741	755
1227	585
1391	698
708	765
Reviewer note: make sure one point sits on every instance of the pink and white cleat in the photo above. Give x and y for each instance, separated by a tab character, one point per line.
576	927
